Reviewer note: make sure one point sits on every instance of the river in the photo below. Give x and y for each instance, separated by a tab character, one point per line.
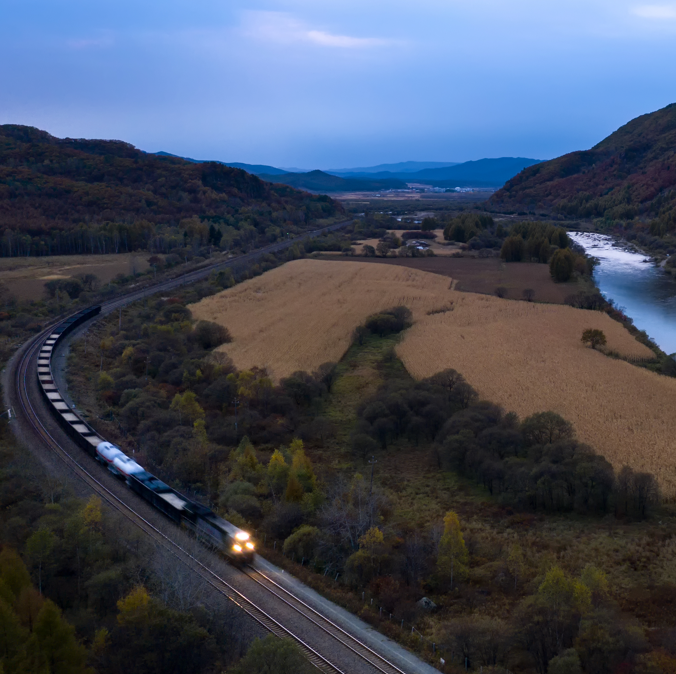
637	285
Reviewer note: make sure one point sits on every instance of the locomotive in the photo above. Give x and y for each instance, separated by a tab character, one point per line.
202	522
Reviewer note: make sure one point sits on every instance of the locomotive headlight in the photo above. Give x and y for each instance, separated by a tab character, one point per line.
250	546
237	548
242	536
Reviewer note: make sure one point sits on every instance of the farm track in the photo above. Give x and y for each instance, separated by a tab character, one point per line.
329	647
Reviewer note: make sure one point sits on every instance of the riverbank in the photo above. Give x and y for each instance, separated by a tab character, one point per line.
637	286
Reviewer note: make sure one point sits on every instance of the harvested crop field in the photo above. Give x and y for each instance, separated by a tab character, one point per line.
528	357
302	314
484	275
25	277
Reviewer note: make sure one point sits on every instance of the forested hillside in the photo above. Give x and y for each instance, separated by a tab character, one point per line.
631	173
62	196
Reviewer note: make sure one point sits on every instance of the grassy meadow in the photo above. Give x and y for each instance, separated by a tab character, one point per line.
25	277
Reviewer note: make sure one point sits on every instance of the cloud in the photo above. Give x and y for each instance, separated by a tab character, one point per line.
655	11
282	28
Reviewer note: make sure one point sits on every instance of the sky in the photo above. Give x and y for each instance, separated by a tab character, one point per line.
337	83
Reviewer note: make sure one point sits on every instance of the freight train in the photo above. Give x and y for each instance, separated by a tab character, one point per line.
207	527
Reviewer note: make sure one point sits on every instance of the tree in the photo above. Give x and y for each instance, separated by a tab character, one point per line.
513	249
561	265
294	490
13	572
383	248
363	445
368	250
53	644
453	557
301	466
545	428
38	548
501	291
567	662
186	404
516	562
277	474
594	337
133	606
272	655
528	294
430	224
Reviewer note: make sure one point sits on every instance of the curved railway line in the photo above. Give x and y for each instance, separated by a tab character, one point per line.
333	650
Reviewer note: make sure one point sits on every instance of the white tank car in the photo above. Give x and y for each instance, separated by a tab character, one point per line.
126	466
106	452
117	461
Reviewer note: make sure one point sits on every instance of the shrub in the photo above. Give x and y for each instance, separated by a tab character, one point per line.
210	335
302	542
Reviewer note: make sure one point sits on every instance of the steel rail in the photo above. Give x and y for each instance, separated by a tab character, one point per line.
218	583
333	626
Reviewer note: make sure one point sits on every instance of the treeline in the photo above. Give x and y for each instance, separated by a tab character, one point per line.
466	227
78	196
536	464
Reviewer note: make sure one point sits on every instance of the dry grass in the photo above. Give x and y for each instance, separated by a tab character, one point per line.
25	277
302	314
527	357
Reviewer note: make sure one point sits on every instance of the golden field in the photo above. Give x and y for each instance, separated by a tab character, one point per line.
527	357
302	314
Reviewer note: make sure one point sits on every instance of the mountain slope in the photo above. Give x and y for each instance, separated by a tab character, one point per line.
494	171
631	173
48	184
318	181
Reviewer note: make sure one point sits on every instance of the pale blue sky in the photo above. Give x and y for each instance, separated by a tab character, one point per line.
337	83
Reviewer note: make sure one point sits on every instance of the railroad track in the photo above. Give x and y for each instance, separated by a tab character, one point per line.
350	642
25	371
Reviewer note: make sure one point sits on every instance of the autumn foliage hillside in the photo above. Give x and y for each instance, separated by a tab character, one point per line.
631	173
50	183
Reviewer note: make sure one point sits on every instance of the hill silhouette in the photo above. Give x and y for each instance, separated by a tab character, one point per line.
318	181
49	184
632	173
256	169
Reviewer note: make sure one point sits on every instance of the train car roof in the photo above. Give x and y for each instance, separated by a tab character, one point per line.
223	525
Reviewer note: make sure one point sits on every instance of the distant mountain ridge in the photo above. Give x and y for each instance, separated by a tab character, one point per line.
400	167
630	173
318	181
479	173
